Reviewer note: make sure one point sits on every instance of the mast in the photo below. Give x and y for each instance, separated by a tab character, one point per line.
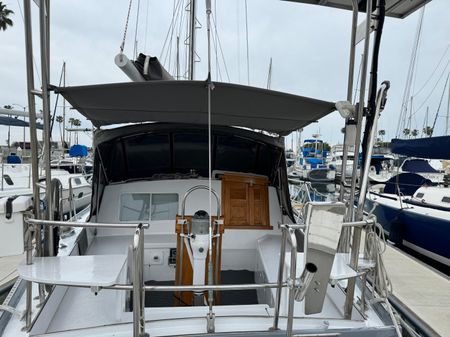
32	112
448	113
191	63
404	120
64	107
269	75
44	21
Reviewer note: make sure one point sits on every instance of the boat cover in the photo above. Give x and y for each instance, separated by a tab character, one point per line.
186	102
406	184
418	166
431	147
78	150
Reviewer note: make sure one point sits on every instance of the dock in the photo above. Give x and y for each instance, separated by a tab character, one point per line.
424	291
8	269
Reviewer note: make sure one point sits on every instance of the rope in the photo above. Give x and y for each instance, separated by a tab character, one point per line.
136	29
122	46
409	79
210	87
432	90
439	107
220	48
433	72
36	68
146	26
170	30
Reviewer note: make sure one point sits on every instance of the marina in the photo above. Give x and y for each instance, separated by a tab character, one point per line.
181	195
422	290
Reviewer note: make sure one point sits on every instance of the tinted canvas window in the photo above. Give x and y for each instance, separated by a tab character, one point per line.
190	151
147	154
235	154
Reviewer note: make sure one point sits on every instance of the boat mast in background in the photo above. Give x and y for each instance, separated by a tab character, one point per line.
405	120
191	64
64	108
269	75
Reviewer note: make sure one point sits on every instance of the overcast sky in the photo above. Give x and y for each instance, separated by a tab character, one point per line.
309	46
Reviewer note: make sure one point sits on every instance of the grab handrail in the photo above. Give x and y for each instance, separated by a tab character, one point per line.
199	187
288	233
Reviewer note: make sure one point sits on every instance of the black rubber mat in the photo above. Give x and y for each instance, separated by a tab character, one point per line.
235	297
232	297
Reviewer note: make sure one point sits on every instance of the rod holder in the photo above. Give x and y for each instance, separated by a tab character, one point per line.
303	283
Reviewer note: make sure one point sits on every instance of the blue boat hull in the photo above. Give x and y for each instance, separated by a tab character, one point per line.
426	235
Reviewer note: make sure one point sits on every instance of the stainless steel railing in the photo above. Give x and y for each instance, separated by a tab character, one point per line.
297	287
138	283
138	262
85	224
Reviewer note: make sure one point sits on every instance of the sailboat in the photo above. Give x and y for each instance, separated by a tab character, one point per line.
413	211
191	230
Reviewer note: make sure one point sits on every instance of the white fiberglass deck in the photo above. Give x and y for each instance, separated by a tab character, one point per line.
422	290
88	270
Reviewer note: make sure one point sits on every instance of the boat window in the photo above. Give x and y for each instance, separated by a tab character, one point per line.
446	199
419	195
236	154
190	151
8	179
164	206
135	207
77	181
159	155
149	154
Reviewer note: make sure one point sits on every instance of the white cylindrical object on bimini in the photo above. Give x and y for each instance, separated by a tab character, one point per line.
122	61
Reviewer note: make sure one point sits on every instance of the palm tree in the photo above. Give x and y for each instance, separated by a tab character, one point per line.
59	120
406	132
414	133
71	121
428	130
5	22
76	122
9	107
